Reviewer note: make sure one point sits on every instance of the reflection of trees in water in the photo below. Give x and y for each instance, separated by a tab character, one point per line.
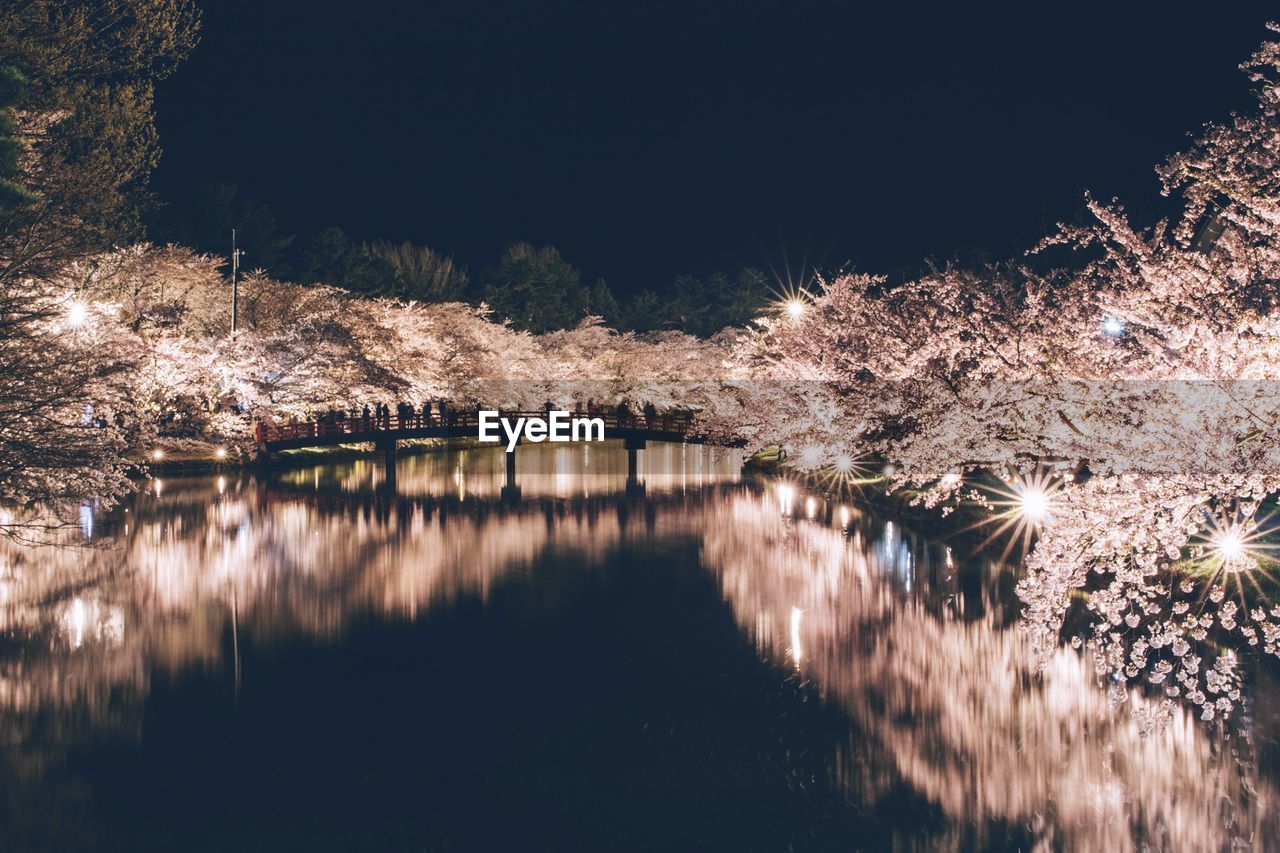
944	685
163	590
184	576
923	655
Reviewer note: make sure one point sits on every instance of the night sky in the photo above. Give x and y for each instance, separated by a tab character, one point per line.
646	139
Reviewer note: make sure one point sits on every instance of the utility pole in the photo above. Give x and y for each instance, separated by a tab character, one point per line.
235	283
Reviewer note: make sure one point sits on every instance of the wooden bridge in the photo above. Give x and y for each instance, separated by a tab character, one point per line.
635	430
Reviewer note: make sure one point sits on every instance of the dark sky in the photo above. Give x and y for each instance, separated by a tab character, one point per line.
649	138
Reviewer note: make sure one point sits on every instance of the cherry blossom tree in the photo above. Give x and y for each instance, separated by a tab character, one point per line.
1127	399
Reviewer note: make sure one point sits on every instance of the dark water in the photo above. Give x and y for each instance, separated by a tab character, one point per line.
310	661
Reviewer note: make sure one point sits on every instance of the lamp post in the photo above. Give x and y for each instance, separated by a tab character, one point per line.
235	284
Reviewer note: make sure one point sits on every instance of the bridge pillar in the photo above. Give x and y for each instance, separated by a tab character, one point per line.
634	445
510	491
387	445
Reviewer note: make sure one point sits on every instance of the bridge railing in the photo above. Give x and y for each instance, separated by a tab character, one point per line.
662	423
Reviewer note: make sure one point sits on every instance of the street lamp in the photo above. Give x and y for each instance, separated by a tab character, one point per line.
235	283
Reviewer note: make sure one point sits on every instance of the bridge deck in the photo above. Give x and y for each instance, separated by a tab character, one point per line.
465	424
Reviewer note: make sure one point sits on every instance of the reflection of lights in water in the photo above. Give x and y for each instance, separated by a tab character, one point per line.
786	495
844	516
79	619
86	521
810	508
897	555
919	681
484	471
796	652
83	621
158	487
1022	743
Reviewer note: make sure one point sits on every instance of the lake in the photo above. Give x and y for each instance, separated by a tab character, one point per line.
315	659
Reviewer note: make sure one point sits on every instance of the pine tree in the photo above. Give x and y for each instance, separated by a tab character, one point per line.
604	304
13	87
536	289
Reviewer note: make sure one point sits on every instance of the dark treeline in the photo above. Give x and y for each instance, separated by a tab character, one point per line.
534	288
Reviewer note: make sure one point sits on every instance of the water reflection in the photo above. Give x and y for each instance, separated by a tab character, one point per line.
306	553
542	470
914	643
941	687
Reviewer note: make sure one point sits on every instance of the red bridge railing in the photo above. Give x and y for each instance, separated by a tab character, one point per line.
680	424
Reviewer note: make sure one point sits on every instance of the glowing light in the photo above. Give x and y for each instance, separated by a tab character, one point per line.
792	299
1034	504
847	471
1028	503
220	453
1237	543
157	454
949	480
1113	326
810	456
1229	543
77	313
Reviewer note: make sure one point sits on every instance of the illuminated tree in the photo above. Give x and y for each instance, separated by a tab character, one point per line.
1130	399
